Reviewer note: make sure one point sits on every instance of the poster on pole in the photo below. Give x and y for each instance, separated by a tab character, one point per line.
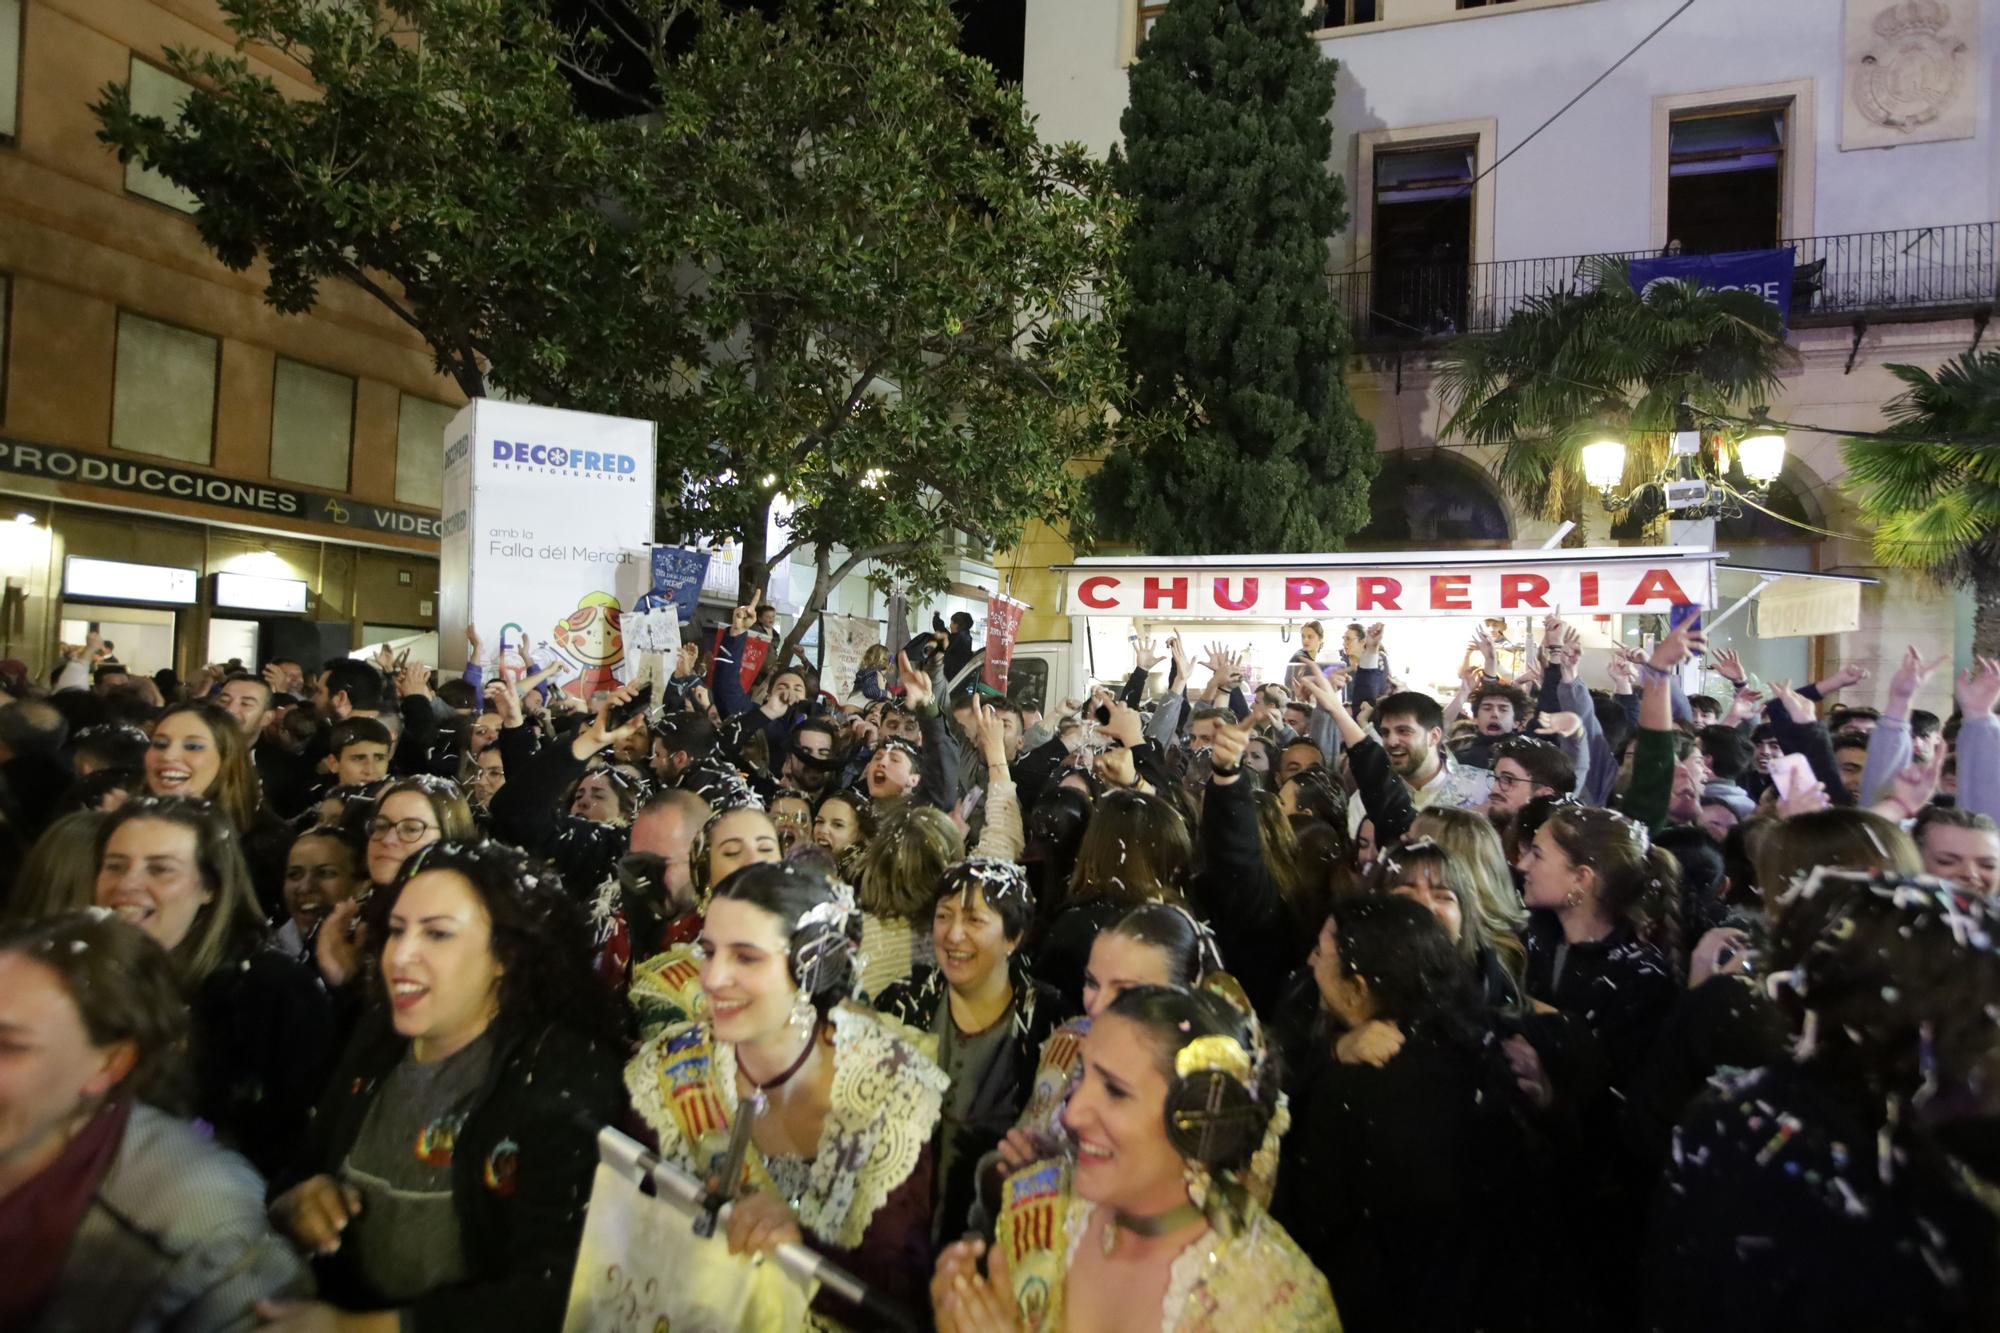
640	1268
1003	624
546	513
678	575
847	639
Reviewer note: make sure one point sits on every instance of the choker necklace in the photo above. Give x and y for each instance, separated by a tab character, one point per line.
1159	1224
758	1099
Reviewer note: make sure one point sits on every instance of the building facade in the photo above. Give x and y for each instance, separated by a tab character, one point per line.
1859	132
160	425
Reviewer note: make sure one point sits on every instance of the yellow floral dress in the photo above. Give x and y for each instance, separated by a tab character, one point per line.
1255	1278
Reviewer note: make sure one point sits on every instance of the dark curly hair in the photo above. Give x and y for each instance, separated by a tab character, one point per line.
1895	980
541	937
1416	977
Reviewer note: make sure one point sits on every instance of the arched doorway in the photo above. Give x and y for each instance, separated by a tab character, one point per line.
1430	498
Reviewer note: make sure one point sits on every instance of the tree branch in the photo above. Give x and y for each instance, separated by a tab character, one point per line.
854	558
825	430
597	80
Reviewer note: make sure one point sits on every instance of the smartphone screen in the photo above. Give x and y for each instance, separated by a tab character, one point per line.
1685	613
1791	774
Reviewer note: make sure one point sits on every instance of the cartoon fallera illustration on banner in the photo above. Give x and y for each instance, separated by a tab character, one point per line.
589	640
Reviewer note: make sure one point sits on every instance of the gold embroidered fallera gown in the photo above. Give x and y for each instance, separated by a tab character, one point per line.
1254	1278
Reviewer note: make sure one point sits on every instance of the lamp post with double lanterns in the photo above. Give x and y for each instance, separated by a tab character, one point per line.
1694	487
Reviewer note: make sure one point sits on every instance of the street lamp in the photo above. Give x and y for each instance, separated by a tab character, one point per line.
1604	466
1762	457
1692	485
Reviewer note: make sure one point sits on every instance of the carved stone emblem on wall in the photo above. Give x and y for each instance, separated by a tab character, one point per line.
1912	72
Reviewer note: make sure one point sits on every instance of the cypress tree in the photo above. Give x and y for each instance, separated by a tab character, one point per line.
1231	326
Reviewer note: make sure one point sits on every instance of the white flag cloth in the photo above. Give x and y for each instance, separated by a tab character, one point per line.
642	1268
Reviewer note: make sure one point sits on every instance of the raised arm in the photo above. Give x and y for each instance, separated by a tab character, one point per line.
1979	738
1889	745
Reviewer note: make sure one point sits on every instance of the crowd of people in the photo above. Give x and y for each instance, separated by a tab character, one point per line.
1197	1004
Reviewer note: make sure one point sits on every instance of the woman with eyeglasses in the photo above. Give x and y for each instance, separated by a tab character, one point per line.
263	1029
409	815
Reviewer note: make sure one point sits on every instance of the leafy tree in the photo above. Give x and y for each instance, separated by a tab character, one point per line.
1931	483
1579	362
825	251
1232	331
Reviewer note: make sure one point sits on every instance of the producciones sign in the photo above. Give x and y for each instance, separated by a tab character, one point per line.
54	463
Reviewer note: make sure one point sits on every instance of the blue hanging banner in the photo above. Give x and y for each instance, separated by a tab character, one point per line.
1765	273
677	578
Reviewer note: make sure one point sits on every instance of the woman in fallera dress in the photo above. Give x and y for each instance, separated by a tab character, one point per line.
844	1103
1148	1225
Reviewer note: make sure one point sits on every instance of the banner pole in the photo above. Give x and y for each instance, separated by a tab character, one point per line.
634	1161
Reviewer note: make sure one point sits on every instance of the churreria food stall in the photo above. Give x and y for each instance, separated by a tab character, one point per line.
1430	601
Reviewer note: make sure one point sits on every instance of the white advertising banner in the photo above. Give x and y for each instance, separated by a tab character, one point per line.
547	514
1388	585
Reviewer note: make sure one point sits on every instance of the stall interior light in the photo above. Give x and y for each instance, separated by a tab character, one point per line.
1604	464
1762	457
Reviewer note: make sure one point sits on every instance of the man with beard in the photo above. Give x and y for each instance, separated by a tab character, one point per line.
684	752
1525	767
1411	726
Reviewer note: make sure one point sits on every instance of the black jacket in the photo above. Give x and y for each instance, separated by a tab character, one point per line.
1395	1179
1727	1022
1620	987
1774	1214
521	1173
1064	951
1261	938
1003	1087
264	1039
524	812
1385	797
285	777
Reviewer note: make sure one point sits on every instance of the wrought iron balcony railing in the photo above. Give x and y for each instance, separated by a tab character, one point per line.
1880	273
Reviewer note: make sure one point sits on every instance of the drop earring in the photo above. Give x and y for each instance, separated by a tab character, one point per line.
1197	1184
803	1017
